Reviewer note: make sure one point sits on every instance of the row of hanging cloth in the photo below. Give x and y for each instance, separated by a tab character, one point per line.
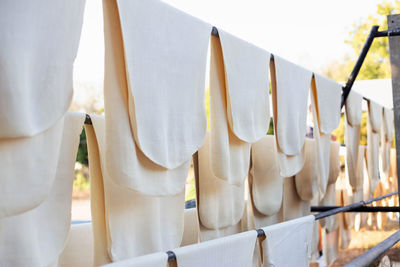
155	120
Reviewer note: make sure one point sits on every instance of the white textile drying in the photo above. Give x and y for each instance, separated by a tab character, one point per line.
219	203
159	259
126	163
38	236
352	134
230	251
127	223
165	56
374	122
39	43
306	179
290	91
294	237
266	182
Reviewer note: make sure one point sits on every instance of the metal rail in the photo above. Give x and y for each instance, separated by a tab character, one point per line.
350	207
359	209
374	253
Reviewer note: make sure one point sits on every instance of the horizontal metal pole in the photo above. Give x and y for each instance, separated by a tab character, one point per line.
359	209
350	207
374	253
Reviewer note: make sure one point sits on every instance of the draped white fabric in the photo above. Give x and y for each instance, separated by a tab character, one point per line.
38	236
39	43
290	91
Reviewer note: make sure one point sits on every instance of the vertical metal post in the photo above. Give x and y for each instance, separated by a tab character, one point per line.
394	50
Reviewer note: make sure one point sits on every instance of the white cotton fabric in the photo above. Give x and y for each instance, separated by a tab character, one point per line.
386	139
165	53
325	101
39	43
334	165
230	156
38	236
219	203
135	224
330	246
328	99
293	206
191	228
28	171
290	90
78	251
352	134
247	87
233	251
329	223
126	163
159	259
266	184
374	121
293	237
306	179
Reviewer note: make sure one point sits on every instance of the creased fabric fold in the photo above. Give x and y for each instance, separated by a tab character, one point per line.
165	56
325	102
352	134
37	237
266	182
39	43
239	104
127	164
386	139
290	91
220	204
374	122
306	179
127	223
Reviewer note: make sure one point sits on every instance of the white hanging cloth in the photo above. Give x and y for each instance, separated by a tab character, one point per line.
165	52
306	179
266	182
220	204
374	122
127	162
239	104
38	236
334	163
293	206
78	250
294	236
28	171
39	43
386	139
329	223
159	259
290	90
325	99
352	134
127	223
230	251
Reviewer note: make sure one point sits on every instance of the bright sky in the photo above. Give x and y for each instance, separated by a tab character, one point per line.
310	33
